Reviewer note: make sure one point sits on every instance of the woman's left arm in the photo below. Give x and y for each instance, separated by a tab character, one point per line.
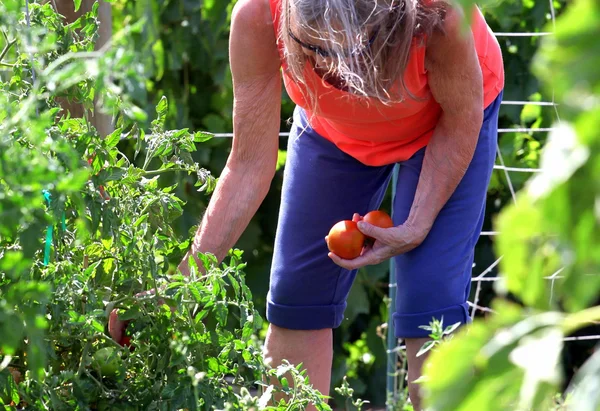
456	83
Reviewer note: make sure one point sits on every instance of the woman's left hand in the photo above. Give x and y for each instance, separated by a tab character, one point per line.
389	242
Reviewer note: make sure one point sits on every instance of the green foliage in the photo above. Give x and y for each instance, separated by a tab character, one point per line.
84	228
347	392
152	166
512	359
437	334
521	148
185	53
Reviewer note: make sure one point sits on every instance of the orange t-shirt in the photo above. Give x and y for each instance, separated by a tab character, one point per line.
376	134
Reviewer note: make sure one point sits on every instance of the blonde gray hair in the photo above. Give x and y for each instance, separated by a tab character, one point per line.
384	30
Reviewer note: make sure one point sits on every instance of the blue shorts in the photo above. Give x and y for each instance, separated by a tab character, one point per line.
322	185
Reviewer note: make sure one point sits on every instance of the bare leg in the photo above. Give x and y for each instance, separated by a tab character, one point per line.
415	364
314	349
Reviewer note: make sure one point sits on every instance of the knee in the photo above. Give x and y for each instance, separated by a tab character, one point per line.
283	342
276	334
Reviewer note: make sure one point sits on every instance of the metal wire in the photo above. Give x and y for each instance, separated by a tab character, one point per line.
486	275
393	347
500	131
525	34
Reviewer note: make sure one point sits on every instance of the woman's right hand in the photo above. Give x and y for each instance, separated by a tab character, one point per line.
357	217
116	327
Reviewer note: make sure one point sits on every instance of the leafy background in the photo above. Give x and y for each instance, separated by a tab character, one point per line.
178	50
186	44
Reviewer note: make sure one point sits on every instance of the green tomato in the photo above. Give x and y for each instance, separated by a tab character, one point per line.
107	361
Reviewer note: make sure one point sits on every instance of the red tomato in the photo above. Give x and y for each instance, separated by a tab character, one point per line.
345	240
378	218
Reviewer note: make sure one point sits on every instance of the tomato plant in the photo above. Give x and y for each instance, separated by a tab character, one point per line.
86	225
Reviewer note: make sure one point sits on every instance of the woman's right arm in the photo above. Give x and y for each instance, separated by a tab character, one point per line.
250	168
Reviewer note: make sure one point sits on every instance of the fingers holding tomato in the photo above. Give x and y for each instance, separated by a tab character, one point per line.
376	218
346	241
122	331
116	327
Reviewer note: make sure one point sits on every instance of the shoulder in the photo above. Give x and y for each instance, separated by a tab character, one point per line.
452	38
254	15
451	23
252	44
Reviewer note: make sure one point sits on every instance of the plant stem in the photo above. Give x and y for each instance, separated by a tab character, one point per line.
96	381
6	48
81	360
580	319
87	121
163	171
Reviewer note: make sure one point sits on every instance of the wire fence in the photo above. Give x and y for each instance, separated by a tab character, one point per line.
396	361
396	369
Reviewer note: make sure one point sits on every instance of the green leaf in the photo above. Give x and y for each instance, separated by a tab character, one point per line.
358	300
113	138
581	319
530	113
195	293
74	181
478	363
141	219
426	347
76	318
97	326
136	113
584	392
159	58
161	110
77	5
131	313
538	355
247	331
281	159
529	253
91	270
202	136
11	328
221	312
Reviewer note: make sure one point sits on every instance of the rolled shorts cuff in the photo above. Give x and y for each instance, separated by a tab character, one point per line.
408	325
305	317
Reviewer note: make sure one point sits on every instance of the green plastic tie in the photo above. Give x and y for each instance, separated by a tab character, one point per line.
50	230
48	246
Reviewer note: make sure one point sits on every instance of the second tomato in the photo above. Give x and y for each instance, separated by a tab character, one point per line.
378	218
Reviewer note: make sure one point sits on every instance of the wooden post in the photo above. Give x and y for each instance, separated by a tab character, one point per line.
102	122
